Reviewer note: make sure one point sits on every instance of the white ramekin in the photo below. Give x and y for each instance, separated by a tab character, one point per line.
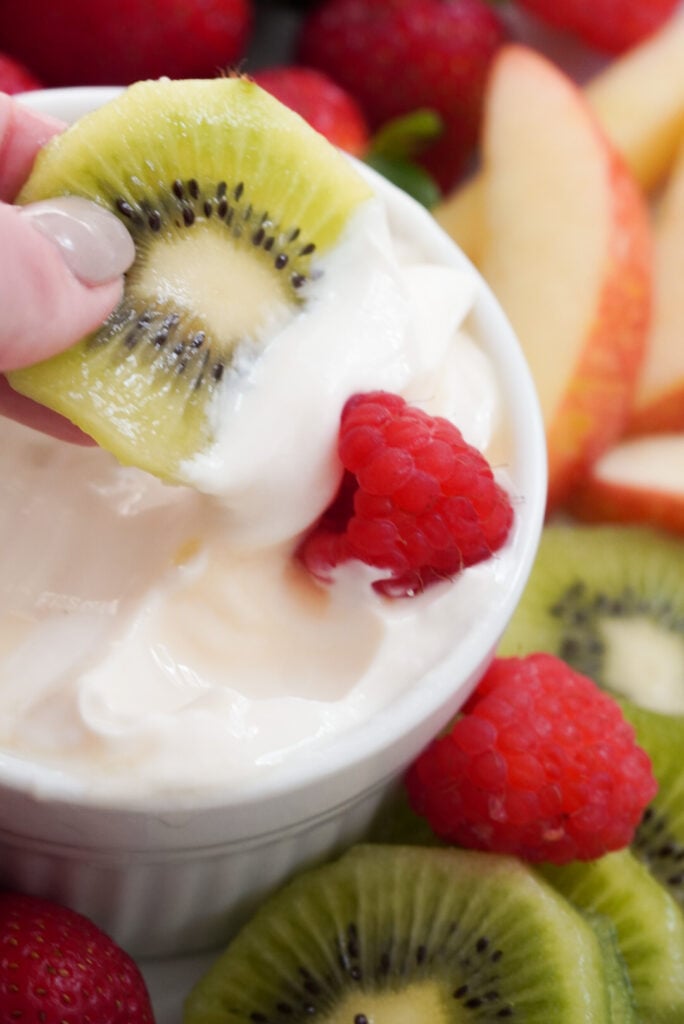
164	879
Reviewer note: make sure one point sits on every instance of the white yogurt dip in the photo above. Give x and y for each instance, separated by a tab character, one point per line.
158	640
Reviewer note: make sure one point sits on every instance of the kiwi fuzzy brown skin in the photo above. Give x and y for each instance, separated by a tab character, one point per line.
409	934
609	600
233	202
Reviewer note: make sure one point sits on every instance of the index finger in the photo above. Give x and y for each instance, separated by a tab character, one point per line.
23	133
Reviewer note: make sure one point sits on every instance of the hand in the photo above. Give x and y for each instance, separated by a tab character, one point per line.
61	267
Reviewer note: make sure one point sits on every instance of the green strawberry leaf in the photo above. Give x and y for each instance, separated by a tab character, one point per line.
407	136
408	176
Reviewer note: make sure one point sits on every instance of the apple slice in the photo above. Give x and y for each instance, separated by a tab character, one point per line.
461	215
639	100
568	253
640	480
659	397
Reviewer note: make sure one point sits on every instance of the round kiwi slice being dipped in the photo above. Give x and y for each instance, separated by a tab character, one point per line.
609	600
233	202
399	935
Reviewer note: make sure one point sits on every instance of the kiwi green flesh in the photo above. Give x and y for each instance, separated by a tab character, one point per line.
395	823
659	839
648	922
618	982
609	600
233	202
393	934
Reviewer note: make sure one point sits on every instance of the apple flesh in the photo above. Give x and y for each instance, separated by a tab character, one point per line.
659	397
461	215
639	100
640	480
567	251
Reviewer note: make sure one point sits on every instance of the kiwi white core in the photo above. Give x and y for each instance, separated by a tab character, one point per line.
200	272
422	1003
645	663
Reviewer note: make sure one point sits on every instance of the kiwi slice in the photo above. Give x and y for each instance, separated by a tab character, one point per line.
395	823
659	839
649	925
405	934
233	202
609	600
619	984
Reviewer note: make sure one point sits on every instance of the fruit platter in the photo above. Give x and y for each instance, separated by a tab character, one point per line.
414	490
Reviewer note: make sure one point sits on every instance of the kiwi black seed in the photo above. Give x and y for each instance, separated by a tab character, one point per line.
406	934
609	600
649	926
233	203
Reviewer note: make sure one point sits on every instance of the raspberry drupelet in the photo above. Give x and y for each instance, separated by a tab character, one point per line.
540	764
416	501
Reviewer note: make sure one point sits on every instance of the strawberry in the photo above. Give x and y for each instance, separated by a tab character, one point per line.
608	25
401	55
325	105
14	77
57	967
78	41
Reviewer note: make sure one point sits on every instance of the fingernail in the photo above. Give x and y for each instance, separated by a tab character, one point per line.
94	243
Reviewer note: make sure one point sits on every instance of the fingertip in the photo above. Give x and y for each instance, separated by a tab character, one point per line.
46	308
23	133
94	243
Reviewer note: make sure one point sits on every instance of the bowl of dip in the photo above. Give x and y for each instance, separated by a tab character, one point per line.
187	718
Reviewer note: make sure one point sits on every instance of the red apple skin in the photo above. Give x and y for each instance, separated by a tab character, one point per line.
662	417
640	480
595	409
597	384
598	501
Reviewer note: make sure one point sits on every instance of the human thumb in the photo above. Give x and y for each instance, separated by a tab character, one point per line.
61	267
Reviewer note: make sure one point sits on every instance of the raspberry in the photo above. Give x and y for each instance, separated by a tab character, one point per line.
416	500
540	764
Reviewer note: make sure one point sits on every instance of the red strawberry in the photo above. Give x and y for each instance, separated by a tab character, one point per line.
14	77
321	102
79	41
57	967
541	764
609	25
400	55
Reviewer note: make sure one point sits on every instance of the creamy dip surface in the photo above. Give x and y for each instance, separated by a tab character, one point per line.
157	639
